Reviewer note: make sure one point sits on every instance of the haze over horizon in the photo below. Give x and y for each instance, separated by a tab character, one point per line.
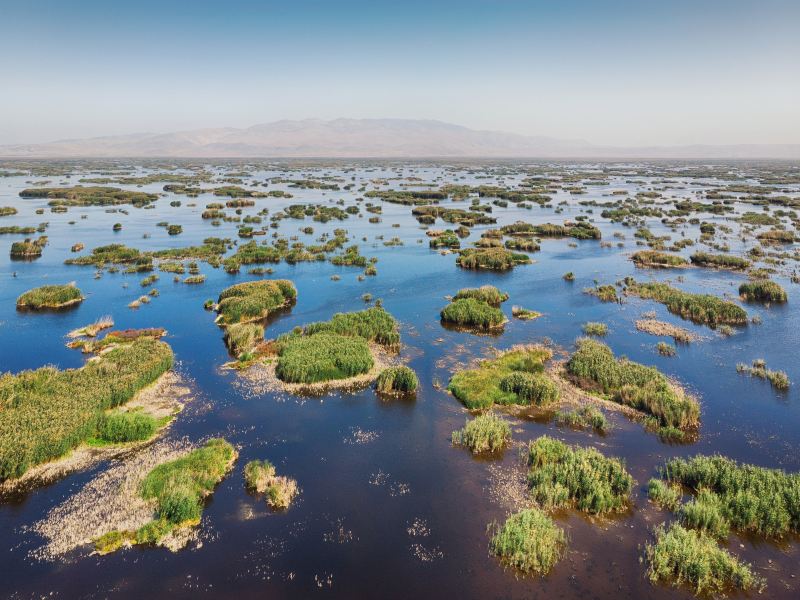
618	74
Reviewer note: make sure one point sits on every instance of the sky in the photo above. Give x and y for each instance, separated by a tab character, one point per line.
628	73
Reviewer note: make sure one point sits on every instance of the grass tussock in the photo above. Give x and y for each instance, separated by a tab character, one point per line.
484	433
562	476
254	300
50	296
473	313
763	290
750	498
514	377
397	380
700	308
683	557
594	367
47	412
486	293
260	476
529	541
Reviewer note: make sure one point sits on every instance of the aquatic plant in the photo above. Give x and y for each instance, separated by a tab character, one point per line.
126	426
664	494
566	476
529	541
484	433
397	380
322	357
721	261
594	328
700	308
683	557
469	312
594	367
654	258
524	314
260	476
514	377
493	259
582	418
763	290
50	296
665	349
241	338
254	300
605	293
486	293
47	412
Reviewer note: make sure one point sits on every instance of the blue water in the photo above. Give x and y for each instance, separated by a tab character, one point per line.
347	536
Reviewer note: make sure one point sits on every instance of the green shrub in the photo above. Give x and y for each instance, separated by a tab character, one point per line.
763	290
484	433
397	380
684	557
486	293
50	296
561	476
593	365
529	541
481	387
469	312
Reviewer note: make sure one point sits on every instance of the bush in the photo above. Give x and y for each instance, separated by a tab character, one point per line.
486	293
469	312
119	427
763	291
529	541
484	433
627	382
481	387
685	557
397	380
561	476
50	296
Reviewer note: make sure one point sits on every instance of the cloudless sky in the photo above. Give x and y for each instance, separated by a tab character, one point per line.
617	72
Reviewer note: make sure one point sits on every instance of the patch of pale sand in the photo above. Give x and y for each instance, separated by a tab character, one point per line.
110	501
261	376
165	397
662	328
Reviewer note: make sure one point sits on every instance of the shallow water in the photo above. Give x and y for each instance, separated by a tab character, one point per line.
348	535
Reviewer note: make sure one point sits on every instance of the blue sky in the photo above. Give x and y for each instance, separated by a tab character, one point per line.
620	72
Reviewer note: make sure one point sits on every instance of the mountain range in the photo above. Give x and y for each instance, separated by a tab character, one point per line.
369	138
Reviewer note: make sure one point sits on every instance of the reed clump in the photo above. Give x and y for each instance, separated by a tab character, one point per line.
485	433
528	541
260	476
397	380
700	308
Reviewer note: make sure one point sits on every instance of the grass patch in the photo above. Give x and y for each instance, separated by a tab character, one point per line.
654	258
752	499
120	427
524	314
50	296
515	377
563	476
594	367
585	417
322	357
397	380
484	433
254	300
471	312
241	338
763	291
594	328
700	308
47	412
260	476
492	259
529	541
682	557
720	261
486	293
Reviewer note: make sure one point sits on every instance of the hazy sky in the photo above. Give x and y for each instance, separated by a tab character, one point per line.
621	72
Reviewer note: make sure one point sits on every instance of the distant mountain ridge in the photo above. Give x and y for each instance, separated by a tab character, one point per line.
367	138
